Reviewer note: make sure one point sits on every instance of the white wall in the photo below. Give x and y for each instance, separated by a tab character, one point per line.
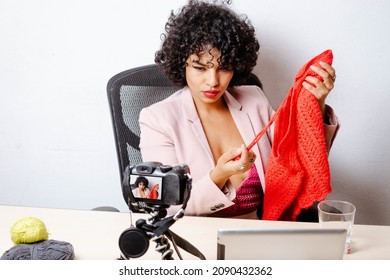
56	140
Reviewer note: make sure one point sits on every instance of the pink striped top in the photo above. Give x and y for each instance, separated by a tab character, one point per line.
249	196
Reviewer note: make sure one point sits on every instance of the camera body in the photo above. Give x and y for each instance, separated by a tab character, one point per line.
153	184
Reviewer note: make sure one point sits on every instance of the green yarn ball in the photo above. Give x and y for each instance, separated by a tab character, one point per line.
28	230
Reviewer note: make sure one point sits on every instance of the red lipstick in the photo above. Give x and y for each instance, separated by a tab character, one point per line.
210	93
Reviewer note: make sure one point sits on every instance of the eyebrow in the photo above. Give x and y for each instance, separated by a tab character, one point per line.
198	62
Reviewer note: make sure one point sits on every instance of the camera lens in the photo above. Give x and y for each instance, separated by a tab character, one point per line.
133	243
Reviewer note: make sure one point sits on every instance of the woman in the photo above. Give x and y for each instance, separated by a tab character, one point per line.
141	189
208	49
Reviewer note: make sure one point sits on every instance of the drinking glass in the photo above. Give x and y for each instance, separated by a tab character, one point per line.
337	214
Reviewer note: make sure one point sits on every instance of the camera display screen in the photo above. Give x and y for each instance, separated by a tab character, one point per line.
146	187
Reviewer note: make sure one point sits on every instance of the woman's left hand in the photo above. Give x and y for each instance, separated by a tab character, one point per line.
321	89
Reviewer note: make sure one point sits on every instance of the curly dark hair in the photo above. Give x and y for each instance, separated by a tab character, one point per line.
143	180
199	26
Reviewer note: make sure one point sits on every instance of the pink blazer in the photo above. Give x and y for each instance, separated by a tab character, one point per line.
171	133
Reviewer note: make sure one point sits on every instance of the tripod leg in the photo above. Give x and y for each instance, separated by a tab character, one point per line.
163	246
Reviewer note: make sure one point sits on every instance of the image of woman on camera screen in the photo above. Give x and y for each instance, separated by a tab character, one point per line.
141	189
208	49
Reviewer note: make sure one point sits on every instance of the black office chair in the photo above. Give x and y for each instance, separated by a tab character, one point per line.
130	91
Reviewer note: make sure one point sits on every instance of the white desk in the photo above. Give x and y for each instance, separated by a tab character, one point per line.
95	234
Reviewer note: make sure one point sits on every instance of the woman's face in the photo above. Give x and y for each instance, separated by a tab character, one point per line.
141	185
206	80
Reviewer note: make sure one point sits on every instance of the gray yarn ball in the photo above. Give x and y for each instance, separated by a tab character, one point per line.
43	250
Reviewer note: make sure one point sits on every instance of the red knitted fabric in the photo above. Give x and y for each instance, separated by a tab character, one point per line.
297	173
154	192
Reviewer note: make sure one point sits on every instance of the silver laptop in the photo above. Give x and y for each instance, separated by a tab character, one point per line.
280	244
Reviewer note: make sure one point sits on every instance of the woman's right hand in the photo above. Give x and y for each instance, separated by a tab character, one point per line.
233	162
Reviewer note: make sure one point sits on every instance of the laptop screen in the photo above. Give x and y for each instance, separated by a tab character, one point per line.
280	244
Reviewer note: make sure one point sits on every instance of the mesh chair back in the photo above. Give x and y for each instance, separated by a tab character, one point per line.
129	92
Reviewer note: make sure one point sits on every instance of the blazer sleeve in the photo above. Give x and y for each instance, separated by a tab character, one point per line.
331	129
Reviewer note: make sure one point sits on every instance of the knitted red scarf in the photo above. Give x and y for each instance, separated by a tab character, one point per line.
297	173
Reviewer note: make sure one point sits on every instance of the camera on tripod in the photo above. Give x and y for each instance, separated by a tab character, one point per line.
152	187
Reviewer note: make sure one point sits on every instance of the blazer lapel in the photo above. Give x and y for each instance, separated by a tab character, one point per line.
246	129
190	113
